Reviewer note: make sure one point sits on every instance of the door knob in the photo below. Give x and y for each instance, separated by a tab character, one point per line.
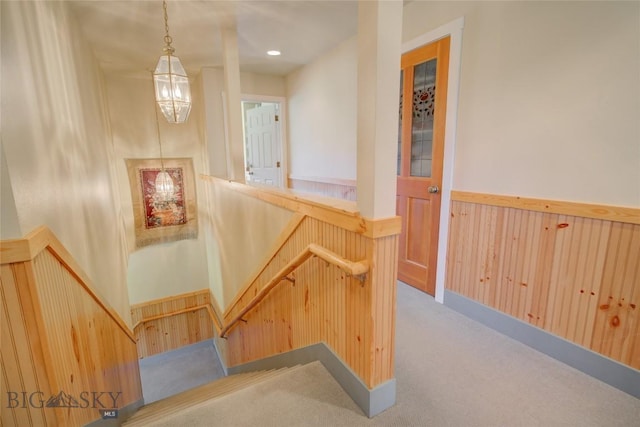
433	189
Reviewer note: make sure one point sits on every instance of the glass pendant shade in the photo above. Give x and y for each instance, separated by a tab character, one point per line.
164	186
172	89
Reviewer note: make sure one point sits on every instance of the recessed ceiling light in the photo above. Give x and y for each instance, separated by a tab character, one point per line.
273	52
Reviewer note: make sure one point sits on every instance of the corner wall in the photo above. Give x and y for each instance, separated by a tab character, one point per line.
160	270
57	142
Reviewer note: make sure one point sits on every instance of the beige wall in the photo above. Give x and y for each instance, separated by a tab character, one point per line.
214	127
232	253
549	97
57	144
166	269
243	230
322	98
549	100
9	224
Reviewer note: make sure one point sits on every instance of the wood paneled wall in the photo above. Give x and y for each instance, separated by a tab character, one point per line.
165	331
337	188
58	336
354	318
575	276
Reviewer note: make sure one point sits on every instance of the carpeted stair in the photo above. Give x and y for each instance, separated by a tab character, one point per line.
159	410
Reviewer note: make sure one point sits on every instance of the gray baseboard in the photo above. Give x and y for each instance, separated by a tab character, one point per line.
371	401
123	414
591	363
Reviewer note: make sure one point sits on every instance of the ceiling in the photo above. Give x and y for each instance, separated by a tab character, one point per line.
128	35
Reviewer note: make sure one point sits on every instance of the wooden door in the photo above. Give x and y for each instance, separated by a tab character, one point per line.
423	102
263	145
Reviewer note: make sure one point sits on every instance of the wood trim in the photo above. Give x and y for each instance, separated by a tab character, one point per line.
586	210
41	238
383	227
343	214
169	298
184	310
325	180
350	267
25	249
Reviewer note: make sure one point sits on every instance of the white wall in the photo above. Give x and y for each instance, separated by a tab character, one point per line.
243	231
9	225
549	97
233	250
57	145
166	269
322	99
212	89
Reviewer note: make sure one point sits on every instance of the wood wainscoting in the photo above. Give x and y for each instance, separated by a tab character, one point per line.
169	323
328	187
570	269
61	343
354	316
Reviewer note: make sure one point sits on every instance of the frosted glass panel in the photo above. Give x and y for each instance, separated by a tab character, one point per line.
424	91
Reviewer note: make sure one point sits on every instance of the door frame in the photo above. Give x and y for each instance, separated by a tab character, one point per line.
453	29
284	150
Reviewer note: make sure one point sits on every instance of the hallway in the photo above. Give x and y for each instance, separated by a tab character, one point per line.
450	371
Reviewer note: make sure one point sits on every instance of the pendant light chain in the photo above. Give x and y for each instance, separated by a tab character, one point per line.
167	38
155	110
169	50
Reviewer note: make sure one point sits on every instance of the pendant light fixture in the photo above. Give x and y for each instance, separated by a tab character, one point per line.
164	186
171	82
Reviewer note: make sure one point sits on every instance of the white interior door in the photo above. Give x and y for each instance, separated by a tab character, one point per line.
262	139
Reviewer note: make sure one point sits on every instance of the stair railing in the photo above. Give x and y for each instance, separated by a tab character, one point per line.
356	269
212	315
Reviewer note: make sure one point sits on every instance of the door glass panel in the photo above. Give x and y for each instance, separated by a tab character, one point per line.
424	91
400	124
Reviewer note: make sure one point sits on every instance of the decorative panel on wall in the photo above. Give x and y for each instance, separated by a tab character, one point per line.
173	322
574	276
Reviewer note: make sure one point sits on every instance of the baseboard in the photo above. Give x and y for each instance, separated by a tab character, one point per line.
591	363
123	414
371	401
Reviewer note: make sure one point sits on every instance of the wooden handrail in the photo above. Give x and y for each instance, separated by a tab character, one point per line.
41	238
350	267
212	315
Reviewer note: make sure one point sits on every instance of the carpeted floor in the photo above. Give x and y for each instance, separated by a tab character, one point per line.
450	371
175	371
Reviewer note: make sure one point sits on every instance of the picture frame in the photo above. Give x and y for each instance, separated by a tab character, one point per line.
163	216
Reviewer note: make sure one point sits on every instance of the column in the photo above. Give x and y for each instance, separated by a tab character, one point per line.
379	52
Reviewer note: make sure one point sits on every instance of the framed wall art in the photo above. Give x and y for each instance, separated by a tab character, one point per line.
164	200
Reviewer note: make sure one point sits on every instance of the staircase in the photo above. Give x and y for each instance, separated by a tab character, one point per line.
156	411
